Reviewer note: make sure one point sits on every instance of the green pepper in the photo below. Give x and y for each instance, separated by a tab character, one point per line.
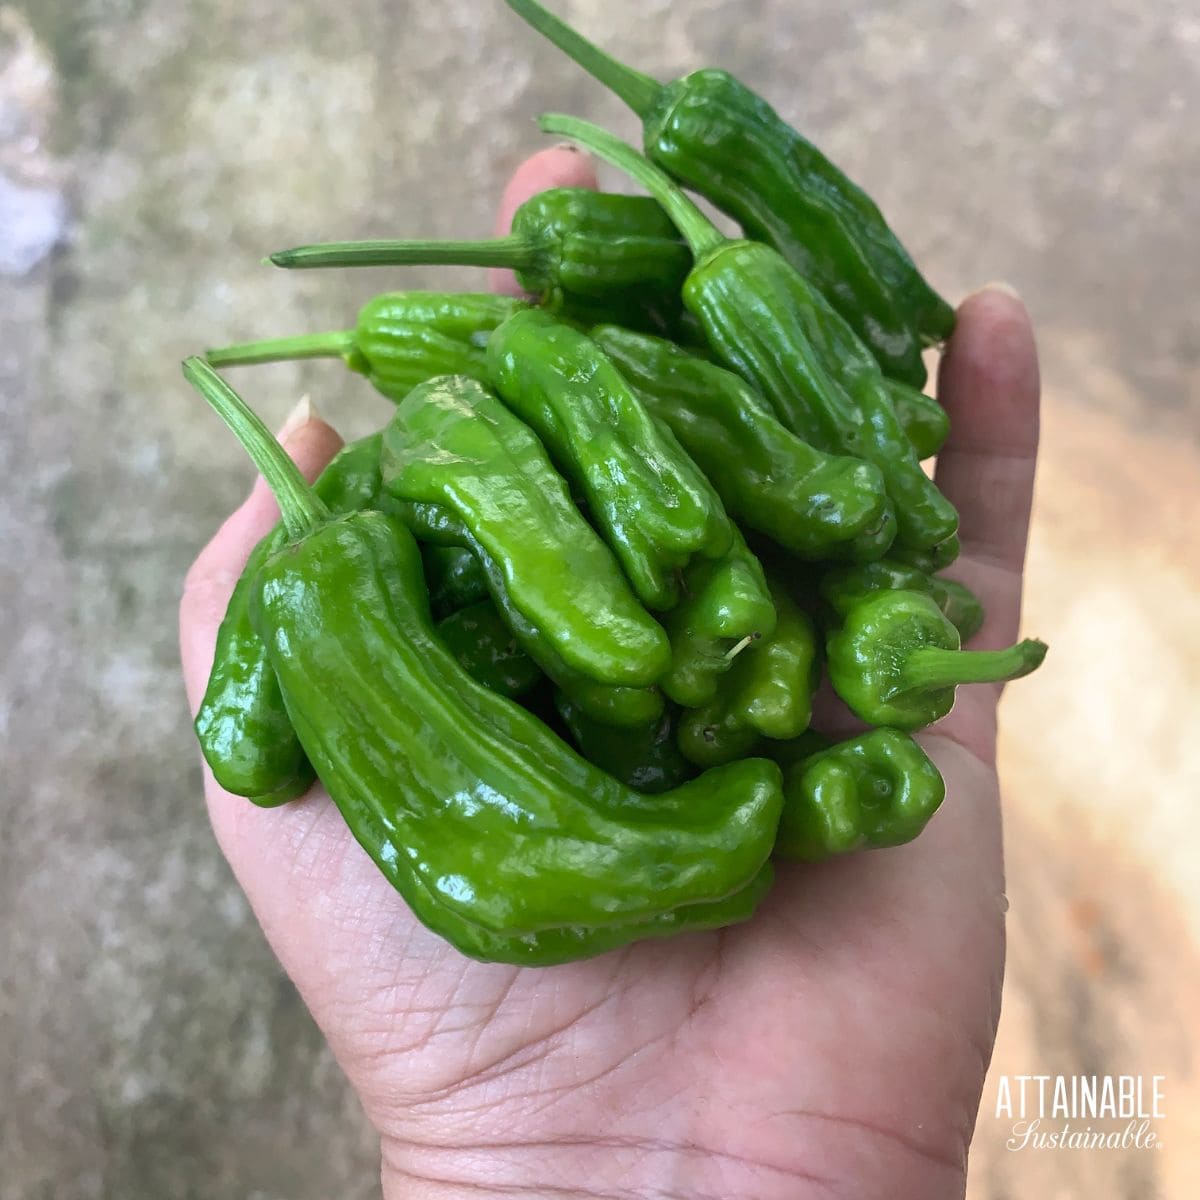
487	650
454	578
878	789
242	725
492	829
646	758
925	422
816	505
767	693
566	245
721	139
452	443
843	587
895	660
653	505
401	340
767	322
931	559
726	603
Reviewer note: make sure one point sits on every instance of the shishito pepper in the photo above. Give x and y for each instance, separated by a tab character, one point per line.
895	660
501	838
242	724
651	502
878	789
452	443
454	578
401	340
724	141
763	319
487	650
568	246
814	504
925	422
767	694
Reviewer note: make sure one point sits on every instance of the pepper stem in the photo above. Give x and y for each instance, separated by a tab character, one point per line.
637	90
514	252
697	230
932	667
310	345
301	508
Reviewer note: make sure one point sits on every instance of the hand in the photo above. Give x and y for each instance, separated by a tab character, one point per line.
834	1047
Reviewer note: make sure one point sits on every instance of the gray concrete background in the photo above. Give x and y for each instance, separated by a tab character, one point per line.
149	1046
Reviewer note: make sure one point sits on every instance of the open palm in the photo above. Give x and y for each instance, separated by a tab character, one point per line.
833	1047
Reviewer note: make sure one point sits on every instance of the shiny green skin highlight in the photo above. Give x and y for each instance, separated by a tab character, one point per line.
925	422
930	560
454	578
652	504
725	602
487	650
843	587
242	725
646	758
452	443
721	139
895	660
816	505
767	693
879	789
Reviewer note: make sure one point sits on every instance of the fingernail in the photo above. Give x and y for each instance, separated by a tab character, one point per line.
300	416
998	285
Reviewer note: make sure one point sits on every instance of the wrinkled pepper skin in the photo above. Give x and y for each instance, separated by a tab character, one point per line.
725	602
813	504
768	323
454	578
930	560
487	650
452	443
767	693
646	759
242	725
843	587
653	505
402	339
567	245
721	139
495	824
895	660
879	789
925	422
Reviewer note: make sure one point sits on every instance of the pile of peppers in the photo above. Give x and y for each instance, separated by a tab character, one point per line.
550	639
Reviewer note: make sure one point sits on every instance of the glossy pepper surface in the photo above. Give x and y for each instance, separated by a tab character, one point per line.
879	789
895	660
495	825
402	339
454	578
767	322
724	141
487	650
567	245
653	505
814	504
925	422
452	443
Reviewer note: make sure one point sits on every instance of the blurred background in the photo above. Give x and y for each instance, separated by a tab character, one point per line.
151	151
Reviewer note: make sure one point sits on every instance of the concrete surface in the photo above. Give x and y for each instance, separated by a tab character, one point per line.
152	150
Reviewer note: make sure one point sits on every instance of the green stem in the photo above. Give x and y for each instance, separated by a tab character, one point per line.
310	345
697	230
301	508
932	667
512	251
637	90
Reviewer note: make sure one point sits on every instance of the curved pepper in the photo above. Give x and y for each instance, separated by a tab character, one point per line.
931	560
814	504
879	789
242	725
566	244
767	693
454	578
487	650
495	821
767	322
726	602
895	660
646	758
653	505
721	139
402	339
960	606
452	443
925	422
